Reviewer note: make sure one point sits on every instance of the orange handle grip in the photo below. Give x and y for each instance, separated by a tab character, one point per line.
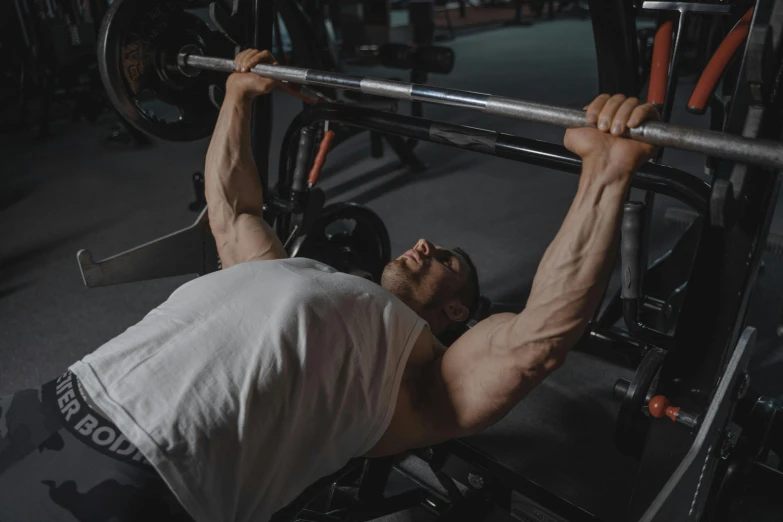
717	65
661	58
320	158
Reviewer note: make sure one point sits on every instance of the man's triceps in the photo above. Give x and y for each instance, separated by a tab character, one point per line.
248	238
233	190
478	380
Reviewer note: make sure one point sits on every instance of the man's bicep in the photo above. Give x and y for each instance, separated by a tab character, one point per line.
247	238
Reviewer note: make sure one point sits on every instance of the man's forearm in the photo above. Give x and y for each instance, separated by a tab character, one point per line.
488	370
495	364
231	180
574	270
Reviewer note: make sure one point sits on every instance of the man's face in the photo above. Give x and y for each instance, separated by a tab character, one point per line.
427	277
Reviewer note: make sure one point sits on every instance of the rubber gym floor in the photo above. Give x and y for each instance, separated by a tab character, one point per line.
71	191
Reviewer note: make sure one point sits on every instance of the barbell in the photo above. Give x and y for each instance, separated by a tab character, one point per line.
712	143
157	48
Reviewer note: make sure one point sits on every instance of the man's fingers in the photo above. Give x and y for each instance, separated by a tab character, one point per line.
265	57
238	59
621	116
260	57
595	107
608	111
249	60
253	59
642	113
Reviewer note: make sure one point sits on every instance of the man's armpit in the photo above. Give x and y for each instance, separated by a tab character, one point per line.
405	431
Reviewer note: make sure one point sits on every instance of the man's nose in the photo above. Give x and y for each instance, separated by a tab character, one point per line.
424	247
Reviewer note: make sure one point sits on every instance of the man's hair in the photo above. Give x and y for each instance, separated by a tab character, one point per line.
470	292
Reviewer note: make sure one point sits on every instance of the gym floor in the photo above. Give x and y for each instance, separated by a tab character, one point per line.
72	191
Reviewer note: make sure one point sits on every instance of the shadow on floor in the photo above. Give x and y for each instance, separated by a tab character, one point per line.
408	177
551	442
10	196
10	290
15	266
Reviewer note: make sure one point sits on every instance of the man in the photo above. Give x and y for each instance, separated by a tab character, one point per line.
249	384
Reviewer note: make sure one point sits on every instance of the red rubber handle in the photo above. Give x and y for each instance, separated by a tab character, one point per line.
661	58
717	65
320	158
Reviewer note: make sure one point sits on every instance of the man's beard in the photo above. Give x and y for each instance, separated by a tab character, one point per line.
411	287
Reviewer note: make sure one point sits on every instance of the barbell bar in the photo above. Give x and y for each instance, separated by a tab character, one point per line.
712	143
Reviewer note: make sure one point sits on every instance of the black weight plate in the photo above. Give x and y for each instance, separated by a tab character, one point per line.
137	49
349	238
632	423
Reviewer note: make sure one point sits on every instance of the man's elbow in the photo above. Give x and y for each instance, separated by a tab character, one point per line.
542	346
536	361
221	215
218	227
223	219
224	212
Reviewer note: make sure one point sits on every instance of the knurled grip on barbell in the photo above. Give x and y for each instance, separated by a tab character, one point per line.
727	146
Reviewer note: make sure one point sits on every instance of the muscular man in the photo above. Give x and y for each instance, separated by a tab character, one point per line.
249	384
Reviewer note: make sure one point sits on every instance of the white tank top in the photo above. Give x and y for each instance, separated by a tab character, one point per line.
249	384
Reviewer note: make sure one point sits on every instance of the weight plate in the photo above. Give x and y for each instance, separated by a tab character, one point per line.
138	46
632	422
349	238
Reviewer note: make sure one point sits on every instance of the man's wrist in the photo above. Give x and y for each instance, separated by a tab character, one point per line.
604	163
237	97
601	171
601	162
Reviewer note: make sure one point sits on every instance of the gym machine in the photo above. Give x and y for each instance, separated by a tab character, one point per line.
689	413
312	45
50	55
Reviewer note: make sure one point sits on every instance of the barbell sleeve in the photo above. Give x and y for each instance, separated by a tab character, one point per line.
712	143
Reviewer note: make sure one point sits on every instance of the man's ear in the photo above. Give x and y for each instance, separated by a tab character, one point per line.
455	310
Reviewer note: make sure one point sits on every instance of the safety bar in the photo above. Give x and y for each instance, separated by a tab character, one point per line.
652	176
